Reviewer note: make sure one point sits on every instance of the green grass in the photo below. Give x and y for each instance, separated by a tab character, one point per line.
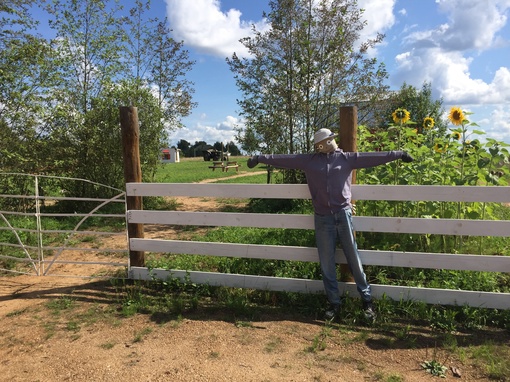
194	170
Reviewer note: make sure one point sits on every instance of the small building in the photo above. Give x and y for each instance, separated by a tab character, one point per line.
170	155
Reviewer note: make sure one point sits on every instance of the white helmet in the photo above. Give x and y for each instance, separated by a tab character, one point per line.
324	141
322	134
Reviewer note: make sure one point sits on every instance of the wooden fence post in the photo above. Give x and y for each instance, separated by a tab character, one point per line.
347	137
132	173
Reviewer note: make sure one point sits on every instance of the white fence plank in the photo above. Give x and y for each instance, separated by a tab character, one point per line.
300	191
276	191
433	193
361	223
427	295
309	254
432	226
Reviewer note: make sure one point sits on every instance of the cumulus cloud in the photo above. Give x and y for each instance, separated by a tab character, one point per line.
378	15
498	126
473	23
210	133
443	55
202	24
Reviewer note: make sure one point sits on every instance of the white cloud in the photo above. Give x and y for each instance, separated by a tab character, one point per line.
443	56
449	73
473	23
202	24
499	123
378	14
201	131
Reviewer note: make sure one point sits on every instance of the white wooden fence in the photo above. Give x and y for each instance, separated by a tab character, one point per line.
361	223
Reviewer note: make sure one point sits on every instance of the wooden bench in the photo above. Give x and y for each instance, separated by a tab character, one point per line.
231	165
216	165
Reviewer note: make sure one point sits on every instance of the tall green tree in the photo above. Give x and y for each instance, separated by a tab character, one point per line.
107	60
27	71
91	47
184	146
301	70
158	61
59	108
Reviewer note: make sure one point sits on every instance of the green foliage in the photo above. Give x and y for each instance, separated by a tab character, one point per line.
441	158
60	98
450	158
494	359
196	149
435	368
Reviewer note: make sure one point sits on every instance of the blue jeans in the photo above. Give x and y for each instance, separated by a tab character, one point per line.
328	230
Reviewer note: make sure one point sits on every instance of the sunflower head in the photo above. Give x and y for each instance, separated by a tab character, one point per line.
401	116
456	135
428	123
440	147
456	116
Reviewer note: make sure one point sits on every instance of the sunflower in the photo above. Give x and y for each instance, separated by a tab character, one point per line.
401	116
456	116
456	135
440	148
428	123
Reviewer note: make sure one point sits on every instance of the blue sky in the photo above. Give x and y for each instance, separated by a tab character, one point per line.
460	46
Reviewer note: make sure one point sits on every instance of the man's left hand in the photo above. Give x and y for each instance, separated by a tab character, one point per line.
406	157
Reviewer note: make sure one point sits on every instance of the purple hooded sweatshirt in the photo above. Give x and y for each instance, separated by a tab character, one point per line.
329	175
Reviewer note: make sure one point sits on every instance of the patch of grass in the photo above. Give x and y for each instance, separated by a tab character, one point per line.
394	378
244	324
273	345
73	326
319	342
108	345
214	355
17	312
494	359
57	306
192	170
50	328
141	334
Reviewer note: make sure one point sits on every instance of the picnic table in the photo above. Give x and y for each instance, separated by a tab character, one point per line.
217	164
231	165
225	166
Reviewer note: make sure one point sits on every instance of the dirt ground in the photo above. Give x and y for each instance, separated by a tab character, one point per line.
69	329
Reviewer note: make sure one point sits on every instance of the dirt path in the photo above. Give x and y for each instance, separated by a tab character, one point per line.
239	175
89	341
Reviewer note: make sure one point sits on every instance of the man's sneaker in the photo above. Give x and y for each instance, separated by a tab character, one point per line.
332	312
368	310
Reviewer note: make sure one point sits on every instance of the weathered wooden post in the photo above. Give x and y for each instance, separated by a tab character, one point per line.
347	137
132	173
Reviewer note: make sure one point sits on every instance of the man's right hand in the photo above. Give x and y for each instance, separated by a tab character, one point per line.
253	161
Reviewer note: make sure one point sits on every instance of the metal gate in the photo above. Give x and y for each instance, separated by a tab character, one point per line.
45	230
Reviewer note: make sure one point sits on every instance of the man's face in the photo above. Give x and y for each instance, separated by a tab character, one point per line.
326	146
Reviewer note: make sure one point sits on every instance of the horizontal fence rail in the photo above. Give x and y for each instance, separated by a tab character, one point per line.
461	227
